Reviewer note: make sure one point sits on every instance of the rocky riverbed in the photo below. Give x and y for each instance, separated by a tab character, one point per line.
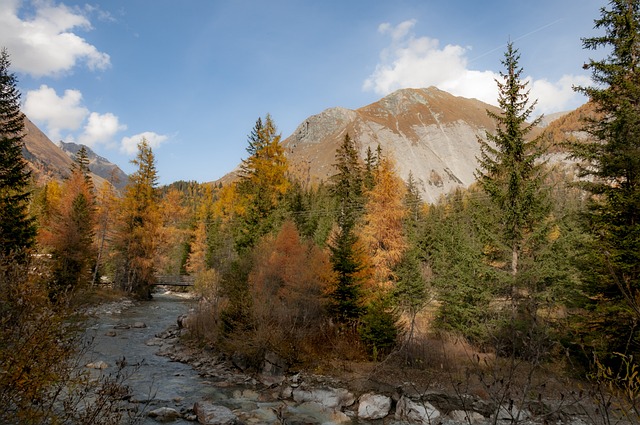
173	383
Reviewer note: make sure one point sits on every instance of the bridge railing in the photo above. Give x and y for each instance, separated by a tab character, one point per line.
175	280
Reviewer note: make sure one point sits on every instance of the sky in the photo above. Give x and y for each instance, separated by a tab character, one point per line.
193	76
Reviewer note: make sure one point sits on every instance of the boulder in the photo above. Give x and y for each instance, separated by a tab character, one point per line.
214	414
374	406
98	365
465	416
273	369
333	398
164	414
313	413
139	325
416	412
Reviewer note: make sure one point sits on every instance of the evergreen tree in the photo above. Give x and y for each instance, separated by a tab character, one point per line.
612	164
347	188
509	170
263	183
17	229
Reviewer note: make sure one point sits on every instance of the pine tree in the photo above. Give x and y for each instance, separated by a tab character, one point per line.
612	164
17	229
509	169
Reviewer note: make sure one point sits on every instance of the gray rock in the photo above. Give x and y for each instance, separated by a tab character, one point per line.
313	413
416	412
139	325
334	398
467	417
214	414
110	333
374	406
164	414
100	364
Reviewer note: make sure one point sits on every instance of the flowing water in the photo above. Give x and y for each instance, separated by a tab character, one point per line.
153	379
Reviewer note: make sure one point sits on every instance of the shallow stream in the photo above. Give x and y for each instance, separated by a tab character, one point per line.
153	378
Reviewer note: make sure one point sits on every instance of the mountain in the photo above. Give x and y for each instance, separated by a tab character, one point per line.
430	133
98	164
45	160
48	161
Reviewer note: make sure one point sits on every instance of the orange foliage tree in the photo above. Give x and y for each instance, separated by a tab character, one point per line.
69	234
383	230
287	284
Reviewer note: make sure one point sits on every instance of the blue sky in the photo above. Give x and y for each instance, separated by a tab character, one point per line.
193	76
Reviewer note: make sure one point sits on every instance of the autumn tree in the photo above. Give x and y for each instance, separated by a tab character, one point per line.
17	229
173	233
263	183
382	231
106	202
69	235
287	283
611	168
136	239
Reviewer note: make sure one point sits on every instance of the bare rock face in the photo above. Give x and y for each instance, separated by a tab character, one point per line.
430	133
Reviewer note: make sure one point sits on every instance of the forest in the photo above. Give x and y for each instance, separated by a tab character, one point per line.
529	276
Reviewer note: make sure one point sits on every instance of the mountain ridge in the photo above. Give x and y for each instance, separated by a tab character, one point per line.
429	133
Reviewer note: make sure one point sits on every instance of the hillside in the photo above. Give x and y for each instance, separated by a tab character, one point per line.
430	133
48	161
98	165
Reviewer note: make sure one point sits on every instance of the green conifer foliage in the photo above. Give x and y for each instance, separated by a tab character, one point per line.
347	188
17	230
612	164
509	170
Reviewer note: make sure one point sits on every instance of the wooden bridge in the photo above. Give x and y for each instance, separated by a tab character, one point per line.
174	280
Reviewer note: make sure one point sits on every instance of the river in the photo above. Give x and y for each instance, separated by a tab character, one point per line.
153	378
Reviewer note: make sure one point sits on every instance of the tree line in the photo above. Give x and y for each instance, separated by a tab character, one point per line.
532	262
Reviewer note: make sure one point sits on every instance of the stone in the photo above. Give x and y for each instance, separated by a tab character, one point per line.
122	326
313	413
512	414
334	398
164	414
110	333
139	325
465	416
374	406
98	365
214	414
422	413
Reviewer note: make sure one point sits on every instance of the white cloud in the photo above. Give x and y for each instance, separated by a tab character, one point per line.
45	44
100	128
57	113
416	62
129	145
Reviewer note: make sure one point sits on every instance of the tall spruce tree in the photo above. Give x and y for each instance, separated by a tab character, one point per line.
17	229
509	170
347	188
612	167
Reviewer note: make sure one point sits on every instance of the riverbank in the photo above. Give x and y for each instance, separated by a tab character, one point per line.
171	379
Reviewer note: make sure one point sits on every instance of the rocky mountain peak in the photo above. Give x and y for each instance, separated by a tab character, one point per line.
429	132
